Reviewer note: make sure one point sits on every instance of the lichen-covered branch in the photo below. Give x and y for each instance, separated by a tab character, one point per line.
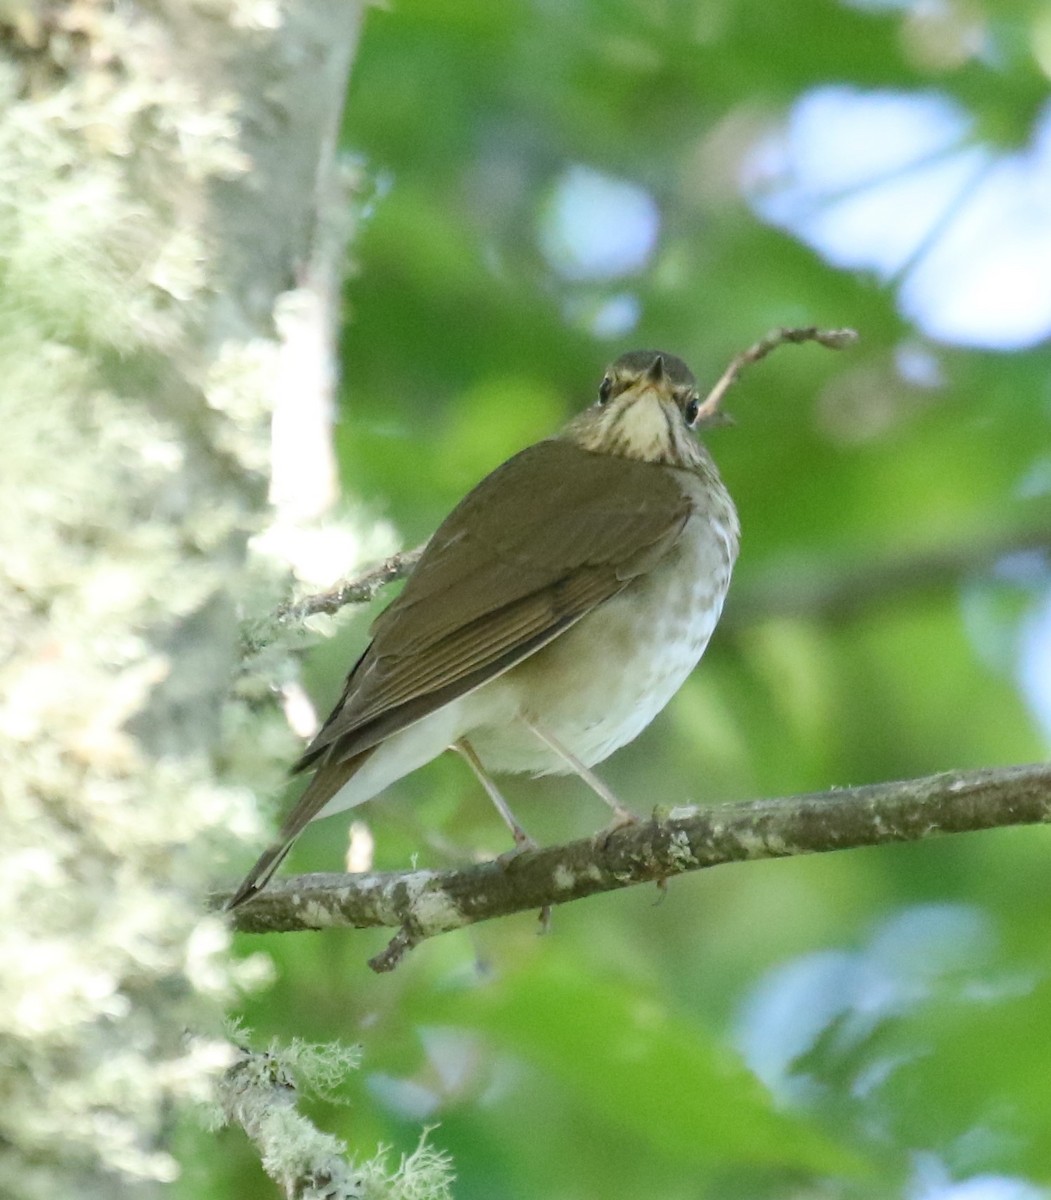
362	589
260	1093
422	904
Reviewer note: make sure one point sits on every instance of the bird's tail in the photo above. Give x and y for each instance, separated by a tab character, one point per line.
328	780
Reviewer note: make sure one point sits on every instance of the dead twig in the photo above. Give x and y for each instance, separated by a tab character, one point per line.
833	339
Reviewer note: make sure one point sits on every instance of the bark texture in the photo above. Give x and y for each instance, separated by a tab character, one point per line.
163	170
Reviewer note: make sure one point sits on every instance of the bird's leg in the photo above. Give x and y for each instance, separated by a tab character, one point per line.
621	815
522	839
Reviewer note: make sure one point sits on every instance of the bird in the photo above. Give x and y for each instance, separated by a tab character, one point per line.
550	618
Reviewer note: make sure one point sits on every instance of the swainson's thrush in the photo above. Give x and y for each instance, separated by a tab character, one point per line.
555	612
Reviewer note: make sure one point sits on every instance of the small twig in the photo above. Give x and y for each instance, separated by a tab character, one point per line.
354	591
834	339
806	586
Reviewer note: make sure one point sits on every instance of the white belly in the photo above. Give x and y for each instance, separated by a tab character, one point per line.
635	666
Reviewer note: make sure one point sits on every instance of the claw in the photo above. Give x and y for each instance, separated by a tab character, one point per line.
622	819
523	842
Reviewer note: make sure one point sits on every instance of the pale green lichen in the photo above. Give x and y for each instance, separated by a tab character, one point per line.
424	1174
239	385
433	910
107	848
563	878
679	851
260	1092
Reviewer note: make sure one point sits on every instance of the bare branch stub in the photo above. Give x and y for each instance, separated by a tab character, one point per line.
361	590
396	949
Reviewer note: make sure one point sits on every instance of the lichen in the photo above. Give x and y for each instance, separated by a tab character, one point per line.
433	909
563	878
260	1093
109	545
679	851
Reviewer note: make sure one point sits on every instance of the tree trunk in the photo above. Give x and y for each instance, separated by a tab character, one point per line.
166	174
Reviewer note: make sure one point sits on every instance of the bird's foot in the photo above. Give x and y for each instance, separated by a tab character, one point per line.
622	819
523	842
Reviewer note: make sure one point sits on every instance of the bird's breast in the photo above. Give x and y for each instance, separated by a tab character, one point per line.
603	681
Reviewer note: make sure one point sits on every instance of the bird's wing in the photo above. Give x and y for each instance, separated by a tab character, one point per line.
538	544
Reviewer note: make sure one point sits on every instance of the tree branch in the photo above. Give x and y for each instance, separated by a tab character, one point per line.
831	339
259	1094
422	904
361	590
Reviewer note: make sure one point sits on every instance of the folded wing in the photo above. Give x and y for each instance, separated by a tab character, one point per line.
543	540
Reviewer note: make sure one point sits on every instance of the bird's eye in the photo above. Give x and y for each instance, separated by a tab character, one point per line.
693	407
605	388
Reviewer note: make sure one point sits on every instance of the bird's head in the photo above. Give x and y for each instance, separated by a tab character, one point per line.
647	409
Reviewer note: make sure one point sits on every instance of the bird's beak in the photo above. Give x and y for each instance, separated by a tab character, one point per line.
656	382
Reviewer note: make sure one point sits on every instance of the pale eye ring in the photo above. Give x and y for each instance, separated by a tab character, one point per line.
691	411
605	390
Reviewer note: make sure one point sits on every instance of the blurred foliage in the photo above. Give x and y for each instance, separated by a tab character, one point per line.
895	1003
